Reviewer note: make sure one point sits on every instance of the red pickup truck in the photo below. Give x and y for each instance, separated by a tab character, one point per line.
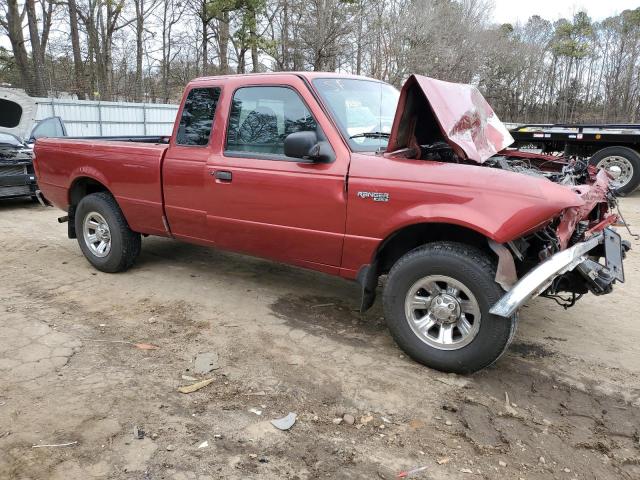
348	176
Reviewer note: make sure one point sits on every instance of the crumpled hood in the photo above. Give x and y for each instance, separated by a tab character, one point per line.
17	112
466	120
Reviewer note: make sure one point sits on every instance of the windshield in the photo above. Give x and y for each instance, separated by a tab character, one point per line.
9	139
363	109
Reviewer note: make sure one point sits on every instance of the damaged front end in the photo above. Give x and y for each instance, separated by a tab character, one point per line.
560	258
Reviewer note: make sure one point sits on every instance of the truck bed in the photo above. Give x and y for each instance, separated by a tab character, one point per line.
129	169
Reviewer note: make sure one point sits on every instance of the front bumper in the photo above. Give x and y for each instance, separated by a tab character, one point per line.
41	199
16	181
539	279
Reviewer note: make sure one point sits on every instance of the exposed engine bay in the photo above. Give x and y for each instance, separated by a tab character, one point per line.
573	172
564	171
571	227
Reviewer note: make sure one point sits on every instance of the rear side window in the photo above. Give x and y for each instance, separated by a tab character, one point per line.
261	118
197	116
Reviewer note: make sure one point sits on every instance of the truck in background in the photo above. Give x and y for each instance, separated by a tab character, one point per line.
614	147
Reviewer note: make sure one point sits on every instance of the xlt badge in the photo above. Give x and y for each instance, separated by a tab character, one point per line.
376	196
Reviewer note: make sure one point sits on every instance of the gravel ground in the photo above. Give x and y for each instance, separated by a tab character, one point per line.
76	369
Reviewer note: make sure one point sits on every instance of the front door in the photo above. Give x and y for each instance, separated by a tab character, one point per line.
185	175
265	203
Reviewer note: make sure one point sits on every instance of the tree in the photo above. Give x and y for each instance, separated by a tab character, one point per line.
78	64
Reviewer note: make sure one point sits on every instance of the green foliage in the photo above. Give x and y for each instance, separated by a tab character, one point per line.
8	69
247	13
506	29
630	21
573	39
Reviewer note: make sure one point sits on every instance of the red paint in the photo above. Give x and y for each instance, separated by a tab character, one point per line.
600	226
591	195
300	213
465	118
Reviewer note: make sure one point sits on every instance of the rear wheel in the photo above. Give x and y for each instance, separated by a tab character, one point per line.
623	163
104	235
437	300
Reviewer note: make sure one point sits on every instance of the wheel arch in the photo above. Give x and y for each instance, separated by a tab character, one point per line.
84	185
81	187
407	238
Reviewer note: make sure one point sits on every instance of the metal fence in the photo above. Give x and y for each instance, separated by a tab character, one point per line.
86	118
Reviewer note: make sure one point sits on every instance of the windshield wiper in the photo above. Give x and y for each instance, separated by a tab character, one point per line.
371	135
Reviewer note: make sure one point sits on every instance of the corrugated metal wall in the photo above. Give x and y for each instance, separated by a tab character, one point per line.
84	118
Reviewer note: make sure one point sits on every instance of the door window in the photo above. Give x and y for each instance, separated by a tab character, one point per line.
197	116
261	118
51	127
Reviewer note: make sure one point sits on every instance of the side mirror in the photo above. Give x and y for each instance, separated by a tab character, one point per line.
300	144
305	145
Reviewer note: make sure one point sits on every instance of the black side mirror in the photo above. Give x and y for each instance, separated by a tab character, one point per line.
301	145
306	146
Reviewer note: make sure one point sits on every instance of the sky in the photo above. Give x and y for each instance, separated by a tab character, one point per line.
512	11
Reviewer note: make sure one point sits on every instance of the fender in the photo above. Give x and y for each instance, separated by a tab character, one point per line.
86	171
79	175
408	237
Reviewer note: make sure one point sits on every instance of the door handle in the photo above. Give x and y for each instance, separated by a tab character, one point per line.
222	175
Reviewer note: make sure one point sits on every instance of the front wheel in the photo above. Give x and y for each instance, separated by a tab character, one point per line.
437	300
104	235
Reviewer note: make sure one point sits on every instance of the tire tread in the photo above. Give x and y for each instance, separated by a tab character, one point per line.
453	250
131	241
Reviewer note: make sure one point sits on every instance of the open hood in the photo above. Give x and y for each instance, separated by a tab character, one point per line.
17	112
431	110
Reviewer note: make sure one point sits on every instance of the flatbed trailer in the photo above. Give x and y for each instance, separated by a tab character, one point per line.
615	147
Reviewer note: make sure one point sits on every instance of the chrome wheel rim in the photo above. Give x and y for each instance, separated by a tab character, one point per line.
97	235
442	312
620	168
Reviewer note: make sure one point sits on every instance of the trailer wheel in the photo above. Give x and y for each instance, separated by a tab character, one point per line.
436	302
104	235
624	163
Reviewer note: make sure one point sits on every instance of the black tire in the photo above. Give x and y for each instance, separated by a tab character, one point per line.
476	271
125	243
631	156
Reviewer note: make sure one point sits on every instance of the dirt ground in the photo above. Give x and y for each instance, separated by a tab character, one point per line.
288	340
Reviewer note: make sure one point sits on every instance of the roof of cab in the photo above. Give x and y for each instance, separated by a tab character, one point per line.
307	75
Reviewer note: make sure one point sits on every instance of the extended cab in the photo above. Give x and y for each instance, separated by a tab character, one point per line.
348	176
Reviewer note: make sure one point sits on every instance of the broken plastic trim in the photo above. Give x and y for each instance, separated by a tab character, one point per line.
506	275
538	279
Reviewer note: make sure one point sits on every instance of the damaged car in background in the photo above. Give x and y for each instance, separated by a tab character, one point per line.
18	132
347	176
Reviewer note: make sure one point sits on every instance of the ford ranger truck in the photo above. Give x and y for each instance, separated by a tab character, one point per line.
347	176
